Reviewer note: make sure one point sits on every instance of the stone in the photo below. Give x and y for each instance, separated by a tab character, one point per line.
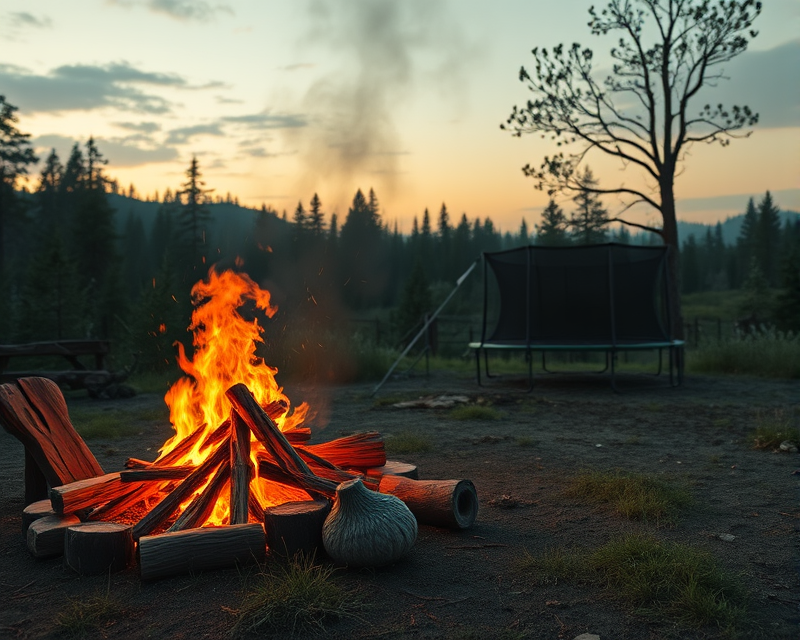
788	446
726	537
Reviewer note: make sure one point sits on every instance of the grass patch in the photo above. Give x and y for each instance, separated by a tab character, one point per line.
408	442
298	597
93	424
527	441
152	382
769	355
475	412
666	580
773	428
633	496
82	615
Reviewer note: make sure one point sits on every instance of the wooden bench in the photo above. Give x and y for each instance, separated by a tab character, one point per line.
93	377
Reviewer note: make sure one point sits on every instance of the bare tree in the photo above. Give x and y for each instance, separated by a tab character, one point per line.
667	51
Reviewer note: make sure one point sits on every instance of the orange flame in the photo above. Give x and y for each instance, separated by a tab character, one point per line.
224	354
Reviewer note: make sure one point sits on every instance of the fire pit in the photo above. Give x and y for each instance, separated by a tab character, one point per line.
238	479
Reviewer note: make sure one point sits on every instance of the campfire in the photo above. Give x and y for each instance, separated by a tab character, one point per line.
238	479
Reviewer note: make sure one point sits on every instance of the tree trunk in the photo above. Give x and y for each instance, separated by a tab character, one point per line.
670	235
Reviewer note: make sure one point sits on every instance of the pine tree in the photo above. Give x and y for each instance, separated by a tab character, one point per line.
415	301
300	225
194	216
362	258
769	239
524	234
15	156
787	302
589	219
690	266
444	253
552	232
316	219
48	205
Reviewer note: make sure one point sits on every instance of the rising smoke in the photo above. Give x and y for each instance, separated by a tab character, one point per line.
386	52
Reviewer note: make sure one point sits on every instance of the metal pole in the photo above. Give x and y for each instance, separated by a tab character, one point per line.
425	327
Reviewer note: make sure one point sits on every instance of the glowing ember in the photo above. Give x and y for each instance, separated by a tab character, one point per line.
225	354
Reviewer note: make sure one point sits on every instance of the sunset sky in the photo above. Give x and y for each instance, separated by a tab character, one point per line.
281	99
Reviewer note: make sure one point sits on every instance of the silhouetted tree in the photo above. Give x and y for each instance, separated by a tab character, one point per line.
552	231
316	219
769	239
587	223
787	302
415	301
361	257
643	113
15	156
194	216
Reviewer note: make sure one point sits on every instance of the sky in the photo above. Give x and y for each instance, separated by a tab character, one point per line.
282	99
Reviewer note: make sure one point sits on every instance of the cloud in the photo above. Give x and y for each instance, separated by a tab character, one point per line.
298	66
120	152
87	87
267	120
143	127
183	10
22	19
224	100
184	134
766	81
784	198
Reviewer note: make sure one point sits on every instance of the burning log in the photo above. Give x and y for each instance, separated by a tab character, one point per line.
91	492
241	470
202	506
188	443
442	503
34	511
121	504
164	509
295	526
94	548
254	508
196	550
359	451
394	468
156	473
45	537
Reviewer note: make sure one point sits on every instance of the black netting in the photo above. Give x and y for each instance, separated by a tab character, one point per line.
609	293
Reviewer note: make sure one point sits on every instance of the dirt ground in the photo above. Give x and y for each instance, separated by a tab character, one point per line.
469	584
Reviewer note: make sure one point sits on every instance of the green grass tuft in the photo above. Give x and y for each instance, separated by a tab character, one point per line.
81	616
633	496
298	597
770	355
773	428
93	423
475	412
407	442
666	580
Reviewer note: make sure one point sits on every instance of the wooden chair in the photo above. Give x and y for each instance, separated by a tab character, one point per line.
34	411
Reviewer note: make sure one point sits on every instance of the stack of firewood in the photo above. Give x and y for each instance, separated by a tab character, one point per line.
79	518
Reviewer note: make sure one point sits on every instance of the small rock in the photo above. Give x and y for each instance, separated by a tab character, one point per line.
726	537
587	636
788	446
598	445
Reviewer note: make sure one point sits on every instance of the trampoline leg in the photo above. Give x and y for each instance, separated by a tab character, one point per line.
613	357
529	359
660	357
486	363
478	366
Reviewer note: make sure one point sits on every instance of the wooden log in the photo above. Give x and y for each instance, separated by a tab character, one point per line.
255	509
156	473
164	509
201	507
34	511
189	442
241	470
34	411
45	536
441	503
195	550
265	430
91	492
360	450
136	463
312	484
296	527
95	548
298	435
394	468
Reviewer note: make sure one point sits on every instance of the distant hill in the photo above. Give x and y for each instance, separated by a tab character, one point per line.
731	227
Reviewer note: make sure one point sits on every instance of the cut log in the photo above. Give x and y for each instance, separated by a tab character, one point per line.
394	468
45	536
91	492
34	511
34	411
296	526
155	473
201	507
441	503
241	470
95	548
360	450
189	442
255	509
298	435
312	484
195	550
164	509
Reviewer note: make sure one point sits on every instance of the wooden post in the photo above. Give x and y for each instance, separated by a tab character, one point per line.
296	526
95	548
